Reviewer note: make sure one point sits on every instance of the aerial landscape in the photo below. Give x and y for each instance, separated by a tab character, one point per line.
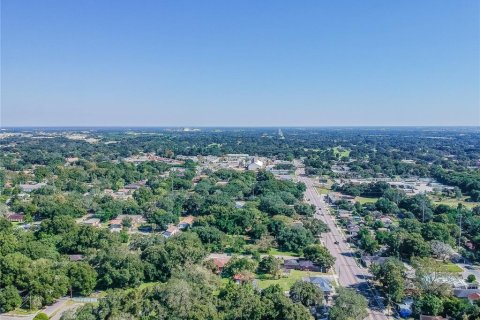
240	160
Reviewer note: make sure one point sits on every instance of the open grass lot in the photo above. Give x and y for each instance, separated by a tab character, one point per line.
276	252
341	152
454	202
22	312
286	282
450	267
323	190
364	200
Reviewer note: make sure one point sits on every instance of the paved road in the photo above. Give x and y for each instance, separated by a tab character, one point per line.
54	311
349	273
468	269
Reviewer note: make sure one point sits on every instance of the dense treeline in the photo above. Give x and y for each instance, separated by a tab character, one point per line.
35	266
243	213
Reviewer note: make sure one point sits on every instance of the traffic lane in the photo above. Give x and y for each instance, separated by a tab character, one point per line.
353	275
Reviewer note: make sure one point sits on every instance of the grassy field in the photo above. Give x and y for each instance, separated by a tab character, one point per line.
342	153
286	282
453	202
364	200
323	190
274	251
22	312
326	187
450	267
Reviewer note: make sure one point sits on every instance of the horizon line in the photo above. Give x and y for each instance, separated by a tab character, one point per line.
238	126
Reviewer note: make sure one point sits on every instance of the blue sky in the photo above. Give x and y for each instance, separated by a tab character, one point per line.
239	63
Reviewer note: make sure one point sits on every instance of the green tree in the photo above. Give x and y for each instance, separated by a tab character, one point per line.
118	268
237	265
41	316
471	278
9	298
306	293
279	307
319	255
270	265
349	305
367	242
391	274
315	226
429	304
83	278
241	303
294	238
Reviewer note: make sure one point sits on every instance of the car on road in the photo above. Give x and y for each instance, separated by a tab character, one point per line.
336	242
470	267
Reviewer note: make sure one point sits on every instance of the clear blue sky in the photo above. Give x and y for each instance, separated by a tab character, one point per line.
239	62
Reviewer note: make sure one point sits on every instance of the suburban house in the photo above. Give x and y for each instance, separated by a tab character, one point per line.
291	264
321	282
369	260
75	257
71	160
307	265
31	186
220	262
243	277
334	197
236	156
473	297
137	219
297	264
186	222
239	204
255	165
386	221
171	231
121	194
464	293
16	217
132	186
115	225
94	222
353	230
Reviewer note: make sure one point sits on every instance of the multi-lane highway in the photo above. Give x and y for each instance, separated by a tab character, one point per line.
349	273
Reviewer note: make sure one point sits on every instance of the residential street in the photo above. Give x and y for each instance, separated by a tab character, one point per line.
349	273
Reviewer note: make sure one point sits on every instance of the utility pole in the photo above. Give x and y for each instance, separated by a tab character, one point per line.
459	211
423	207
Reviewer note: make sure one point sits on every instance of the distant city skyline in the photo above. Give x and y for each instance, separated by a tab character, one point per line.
240	63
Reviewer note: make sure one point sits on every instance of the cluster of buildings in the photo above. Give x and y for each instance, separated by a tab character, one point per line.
173	229
31	186
126	192
325	283
413	185
152	157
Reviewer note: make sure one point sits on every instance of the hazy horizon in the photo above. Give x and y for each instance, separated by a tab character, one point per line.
240	64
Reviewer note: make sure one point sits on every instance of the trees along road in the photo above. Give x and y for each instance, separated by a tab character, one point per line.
349	273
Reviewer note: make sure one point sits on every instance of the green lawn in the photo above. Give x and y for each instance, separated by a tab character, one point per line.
323	190
275	251
286	282
343	153
22	312
450	267
364	200
454	202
